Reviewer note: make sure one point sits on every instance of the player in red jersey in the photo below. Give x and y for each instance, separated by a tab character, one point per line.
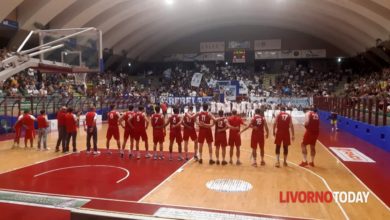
281	130
18	131
140	124
28	123
221	125
205	122
312	125
43	124
129	133
158	124
258	125
235	122
175	122
190	132
113	129
91	130
71	124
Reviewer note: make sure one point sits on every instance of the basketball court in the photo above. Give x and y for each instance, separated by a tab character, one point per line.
83	184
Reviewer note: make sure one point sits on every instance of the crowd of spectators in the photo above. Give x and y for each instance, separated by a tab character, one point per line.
175	81
373	84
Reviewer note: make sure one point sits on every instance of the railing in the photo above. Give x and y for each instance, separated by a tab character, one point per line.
368	110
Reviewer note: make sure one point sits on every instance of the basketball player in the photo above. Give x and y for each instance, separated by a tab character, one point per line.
312	125
158	122
129	133
71	124
91	130
190	132
18	131
281	130
258	125
61	129
140	123
175	122
113	129
43	124
205	122
28	123
221	125
235	121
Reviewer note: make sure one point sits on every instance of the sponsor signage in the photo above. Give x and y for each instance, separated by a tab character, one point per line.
351	155
218	46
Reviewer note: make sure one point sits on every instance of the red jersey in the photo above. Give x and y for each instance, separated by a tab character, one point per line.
204	117
70	122
312	122
42	121
157	121
28	121
235	121
189	121
126	117
174	120
221	123
90	119
61	118
113	118
138	120
283	121
258	123
19	122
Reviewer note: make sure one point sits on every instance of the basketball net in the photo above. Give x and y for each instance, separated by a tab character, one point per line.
80	78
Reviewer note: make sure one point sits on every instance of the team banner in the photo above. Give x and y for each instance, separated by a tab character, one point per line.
290	54
218	46
230	92
239	44
196	79
303	102
185	100
243	90
273	44
190	57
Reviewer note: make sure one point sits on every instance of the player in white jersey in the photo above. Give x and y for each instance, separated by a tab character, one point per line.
213	106
227	107
220	106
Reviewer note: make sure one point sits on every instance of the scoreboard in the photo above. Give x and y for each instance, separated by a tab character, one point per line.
239	56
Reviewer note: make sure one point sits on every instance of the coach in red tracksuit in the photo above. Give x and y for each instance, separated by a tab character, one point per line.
71	124
61	129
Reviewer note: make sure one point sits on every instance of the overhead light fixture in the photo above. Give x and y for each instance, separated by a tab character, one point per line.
169	2
339	60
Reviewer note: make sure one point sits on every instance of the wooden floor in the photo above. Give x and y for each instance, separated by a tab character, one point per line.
187	188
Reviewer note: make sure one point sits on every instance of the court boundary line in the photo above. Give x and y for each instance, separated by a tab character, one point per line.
132	201
35	205
323	180
166	179
226	210
82	166
357	178
35	163
350	171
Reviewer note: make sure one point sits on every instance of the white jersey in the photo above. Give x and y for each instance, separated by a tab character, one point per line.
227	107
220	106
213	107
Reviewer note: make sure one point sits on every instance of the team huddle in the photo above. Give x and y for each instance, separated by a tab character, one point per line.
190	126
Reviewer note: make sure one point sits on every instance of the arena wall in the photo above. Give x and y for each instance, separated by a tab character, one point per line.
376	135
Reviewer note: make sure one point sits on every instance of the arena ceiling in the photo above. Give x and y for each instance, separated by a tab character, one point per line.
143	27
